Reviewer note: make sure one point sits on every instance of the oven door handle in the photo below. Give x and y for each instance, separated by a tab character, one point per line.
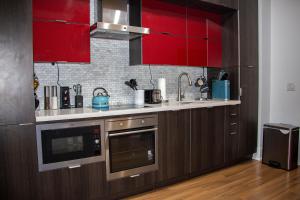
131	132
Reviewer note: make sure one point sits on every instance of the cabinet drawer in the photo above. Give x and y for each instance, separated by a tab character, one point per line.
233	126
127	123
131	185
234	112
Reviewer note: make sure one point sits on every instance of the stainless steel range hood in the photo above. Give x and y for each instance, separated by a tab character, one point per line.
113	20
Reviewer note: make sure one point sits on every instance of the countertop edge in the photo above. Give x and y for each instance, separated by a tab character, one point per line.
153	109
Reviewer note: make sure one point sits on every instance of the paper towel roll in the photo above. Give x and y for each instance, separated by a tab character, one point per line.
162	85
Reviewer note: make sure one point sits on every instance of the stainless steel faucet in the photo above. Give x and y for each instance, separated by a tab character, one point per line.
181	96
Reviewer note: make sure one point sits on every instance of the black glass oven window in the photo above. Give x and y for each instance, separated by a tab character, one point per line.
132	151
70	143
67	145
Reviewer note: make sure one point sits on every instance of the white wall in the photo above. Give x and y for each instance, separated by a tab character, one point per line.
282	53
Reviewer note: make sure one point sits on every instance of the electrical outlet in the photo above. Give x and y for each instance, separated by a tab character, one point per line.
291	87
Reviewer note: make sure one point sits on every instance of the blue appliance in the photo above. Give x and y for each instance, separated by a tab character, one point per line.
221	89
101	99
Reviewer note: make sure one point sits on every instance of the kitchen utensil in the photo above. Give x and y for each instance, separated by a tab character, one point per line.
36	84
203	85
129	84
78	97
78	89
134	84
224	76
100	98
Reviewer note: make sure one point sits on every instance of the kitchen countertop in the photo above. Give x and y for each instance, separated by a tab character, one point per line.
81	113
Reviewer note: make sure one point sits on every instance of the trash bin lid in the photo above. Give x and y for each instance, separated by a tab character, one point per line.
281	126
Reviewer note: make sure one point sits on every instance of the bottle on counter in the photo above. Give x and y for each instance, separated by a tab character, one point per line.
53	98
47	97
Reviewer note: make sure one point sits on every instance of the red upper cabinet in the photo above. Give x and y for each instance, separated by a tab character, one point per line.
196	37
164	17
167	42
164	49
61	31
179	35
60	42
214	49
76	11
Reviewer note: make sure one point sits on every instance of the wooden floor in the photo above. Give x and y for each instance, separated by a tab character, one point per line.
250	180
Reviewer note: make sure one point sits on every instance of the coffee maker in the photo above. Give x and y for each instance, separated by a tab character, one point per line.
78	97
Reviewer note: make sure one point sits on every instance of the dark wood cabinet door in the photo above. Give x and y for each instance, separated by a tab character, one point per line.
225	3
248	111
249	32
207	139
16	65
173	145
87	182
18	162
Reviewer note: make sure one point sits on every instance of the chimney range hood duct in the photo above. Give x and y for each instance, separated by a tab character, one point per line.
113	19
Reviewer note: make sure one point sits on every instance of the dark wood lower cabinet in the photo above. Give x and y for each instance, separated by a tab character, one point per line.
18	164
207	139
191	143
173	147
87	182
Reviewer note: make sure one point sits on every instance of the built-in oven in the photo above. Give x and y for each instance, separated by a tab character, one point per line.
131	146
70	144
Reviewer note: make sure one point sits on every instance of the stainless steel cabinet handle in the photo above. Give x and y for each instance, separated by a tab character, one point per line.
233	114
26	124
74	166
60	20
131	132
134	176
251	66
233	124
233	133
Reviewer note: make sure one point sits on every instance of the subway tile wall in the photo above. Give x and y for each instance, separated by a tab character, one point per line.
109	68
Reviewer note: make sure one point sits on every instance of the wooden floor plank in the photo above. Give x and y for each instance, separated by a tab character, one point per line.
247	181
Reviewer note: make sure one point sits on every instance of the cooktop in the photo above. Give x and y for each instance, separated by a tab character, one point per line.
121	107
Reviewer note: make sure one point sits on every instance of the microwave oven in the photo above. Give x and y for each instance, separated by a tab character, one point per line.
69	144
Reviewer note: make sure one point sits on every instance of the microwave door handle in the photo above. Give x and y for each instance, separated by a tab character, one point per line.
131	132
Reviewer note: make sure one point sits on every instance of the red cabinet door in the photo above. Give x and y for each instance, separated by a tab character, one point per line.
214	49
197	51
77	11
197	37
161	16
164	49
61	42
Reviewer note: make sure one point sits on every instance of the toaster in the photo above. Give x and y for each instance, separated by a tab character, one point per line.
153	96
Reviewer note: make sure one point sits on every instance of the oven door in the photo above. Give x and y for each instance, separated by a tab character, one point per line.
69	144
131	152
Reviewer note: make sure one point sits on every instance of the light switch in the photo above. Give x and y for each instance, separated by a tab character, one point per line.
291	87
